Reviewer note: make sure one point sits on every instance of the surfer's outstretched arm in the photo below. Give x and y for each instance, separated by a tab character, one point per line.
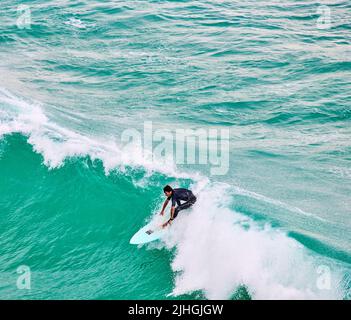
171	218
164	207
172	214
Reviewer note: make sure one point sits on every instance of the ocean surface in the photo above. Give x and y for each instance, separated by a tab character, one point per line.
75	75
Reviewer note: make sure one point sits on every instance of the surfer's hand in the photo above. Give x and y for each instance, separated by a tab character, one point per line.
162	213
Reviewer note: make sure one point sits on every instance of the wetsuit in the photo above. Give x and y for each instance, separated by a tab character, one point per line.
181	194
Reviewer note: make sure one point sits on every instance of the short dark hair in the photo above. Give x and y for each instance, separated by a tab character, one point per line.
167	188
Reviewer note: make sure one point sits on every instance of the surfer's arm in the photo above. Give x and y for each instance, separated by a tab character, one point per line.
172	213
164	206
170	219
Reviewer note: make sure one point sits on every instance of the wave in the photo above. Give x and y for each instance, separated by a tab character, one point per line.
56	143
217	250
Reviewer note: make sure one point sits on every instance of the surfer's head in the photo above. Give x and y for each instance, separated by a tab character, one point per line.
168	190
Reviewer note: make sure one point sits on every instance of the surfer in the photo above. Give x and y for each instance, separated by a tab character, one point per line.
177	195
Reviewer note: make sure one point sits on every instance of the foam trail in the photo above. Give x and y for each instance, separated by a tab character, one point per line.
218	250
278	203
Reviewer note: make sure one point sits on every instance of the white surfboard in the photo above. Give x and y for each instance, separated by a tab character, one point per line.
151	232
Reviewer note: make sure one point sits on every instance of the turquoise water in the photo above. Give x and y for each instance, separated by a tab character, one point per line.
82	72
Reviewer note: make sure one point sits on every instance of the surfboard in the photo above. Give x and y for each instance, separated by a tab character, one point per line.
151	232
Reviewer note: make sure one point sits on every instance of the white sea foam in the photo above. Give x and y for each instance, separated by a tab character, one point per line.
218	250
56	143
77	23
274	202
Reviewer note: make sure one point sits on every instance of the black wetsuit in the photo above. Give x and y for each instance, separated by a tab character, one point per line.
182	194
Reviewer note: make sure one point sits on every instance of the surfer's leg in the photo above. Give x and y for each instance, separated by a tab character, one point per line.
185	205
176	211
